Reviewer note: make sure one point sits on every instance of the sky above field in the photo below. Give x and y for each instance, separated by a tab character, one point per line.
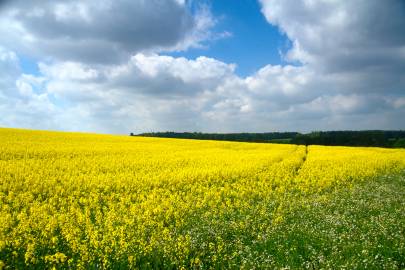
120	66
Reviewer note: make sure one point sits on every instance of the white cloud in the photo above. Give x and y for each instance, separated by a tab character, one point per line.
9	68
106	31
336	36
399	103
20	103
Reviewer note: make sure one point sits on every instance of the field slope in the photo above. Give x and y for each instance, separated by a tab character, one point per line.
87	201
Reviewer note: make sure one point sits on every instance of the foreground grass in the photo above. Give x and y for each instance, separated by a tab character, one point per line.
362	227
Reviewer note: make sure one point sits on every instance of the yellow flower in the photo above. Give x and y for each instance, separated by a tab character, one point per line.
90	199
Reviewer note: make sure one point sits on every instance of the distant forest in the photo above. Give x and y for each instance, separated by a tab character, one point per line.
379	138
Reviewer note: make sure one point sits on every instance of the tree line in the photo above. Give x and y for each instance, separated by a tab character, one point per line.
378	138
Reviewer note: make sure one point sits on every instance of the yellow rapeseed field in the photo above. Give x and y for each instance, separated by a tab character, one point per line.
73	200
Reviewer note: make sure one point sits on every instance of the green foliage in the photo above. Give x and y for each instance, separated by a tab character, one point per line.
350	138
242	137
400	143
287	140
377	138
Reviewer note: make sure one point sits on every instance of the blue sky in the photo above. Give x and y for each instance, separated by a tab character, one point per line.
253	42
120	66
29	65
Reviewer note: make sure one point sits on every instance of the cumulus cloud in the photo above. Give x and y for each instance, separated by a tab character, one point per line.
354	47
159	77
105	31
169	92
20	101
9	68
341	35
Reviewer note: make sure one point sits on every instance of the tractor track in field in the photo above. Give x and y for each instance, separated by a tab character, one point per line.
283	158
266	167
304	159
